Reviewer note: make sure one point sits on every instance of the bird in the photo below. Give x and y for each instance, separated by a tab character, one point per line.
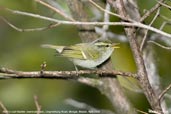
87	55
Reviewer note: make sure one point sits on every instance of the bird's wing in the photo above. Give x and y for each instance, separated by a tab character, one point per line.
90	52
73	52
78	51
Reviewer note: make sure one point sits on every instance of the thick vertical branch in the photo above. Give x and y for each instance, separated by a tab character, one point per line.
122	8
153	75
109	87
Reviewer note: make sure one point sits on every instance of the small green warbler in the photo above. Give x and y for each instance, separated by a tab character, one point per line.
87	55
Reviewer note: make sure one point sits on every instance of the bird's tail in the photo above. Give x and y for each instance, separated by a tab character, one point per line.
57	48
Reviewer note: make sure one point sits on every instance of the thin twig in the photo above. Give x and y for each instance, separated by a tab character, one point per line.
146	32
133	24
111	35
153	111
165	18
162	25
104	10
29	30
162	46
55	9
84	106
164	92
166	22
61	74
38	107
57	5
5	111
148	13
165	5
140	111
106	19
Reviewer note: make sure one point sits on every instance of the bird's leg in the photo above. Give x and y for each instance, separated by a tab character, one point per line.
76	69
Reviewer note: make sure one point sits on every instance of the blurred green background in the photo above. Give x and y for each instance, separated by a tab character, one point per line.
22	51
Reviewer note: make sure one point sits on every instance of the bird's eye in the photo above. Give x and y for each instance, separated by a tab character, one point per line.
107	45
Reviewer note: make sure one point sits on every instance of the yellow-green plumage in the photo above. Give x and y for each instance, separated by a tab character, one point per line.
88	55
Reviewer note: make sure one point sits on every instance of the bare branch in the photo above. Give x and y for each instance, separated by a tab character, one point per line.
132	24
162	46
165	5
29	30
148	13
164	92
146	32
152	71
85	106
104	10
153	111
5	111
37	104
57	5
106	19
55	9
61	74
163	25
165	18
111	35
142	112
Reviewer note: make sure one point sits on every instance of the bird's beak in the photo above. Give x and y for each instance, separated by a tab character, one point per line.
115	45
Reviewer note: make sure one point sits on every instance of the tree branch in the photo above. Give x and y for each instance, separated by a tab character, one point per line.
31	29
164	92
5	111
84	106
148	13
60	74
55	9
160	45
38	106
129	24
146	31
141	69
